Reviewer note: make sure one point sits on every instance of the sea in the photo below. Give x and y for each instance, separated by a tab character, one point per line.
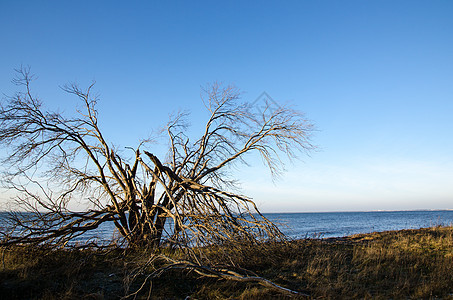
325	224
340	224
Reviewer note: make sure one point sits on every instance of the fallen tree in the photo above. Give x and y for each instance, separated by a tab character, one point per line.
184	201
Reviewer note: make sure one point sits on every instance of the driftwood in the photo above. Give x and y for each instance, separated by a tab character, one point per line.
204	271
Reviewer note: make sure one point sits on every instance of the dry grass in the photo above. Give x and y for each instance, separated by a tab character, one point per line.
36	273
407	264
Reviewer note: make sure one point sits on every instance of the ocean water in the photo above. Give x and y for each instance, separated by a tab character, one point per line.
338	224
324	224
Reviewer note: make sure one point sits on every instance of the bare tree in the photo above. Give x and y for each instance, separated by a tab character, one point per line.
185	200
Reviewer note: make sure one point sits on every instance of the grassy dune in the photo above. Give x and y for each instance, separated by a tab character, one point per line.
406	264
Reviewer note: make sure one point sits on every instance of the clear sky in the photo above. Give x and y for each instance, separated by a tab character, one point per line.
376	77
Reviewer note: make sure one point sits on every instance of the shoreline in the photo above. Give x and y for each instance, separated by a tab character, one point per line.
409	263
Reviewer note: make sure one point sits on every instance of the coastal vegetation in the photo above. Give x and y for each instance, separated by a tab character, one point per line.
67	179
184	231
54	161
405	264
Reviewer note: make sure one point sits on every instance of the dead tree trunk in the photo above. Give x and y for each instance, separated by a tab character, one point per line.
139	194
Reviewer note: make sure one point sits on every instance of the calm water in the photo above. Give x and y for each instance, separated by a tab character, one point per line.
333	224
337	224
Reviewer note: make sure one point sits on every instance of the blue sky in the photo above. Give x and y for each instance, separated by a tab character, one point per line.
376	77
